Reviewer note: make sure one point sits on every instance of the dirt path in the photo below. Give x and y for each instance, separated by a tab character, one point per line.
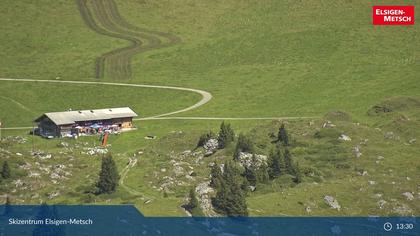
131	163
205	96
102	16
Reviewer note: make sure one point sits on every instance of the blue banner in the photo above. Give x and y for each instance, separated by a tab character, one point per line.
127	220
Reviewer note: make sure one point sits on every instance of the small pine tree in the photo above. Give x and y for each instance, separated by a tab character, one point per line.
244	144
274	162
5	171
108	177
226	135
230	197
298	173
288	162
215	176
282	135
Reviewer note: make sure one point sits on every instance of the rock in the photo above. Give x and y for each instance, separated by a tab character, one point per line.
186	153
371	182
96	151
148	201
53	195
248	160
63	144
15	139
356	151
211	146
389	135
377	195
19	154
46	156
380	157
412	141
363	173
204	192
209	153
364	141
18	183
163	170
179	171
332	202
381	203
328	124
409	196
344	137
408	178
34	174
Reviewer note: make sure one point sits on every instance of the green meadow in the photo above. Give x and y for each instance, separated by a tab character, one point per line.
258	59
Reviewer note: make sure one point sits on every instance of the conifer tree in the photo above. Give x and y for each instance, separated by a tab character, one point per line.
5	171
282	135
226	135
108	176
275	164
230	197
288	162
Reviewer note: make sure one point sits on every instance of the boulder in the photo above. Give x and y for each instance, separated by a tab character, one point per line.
409	196
356	151
389	135
344	137
248	159
332	202
381	203
328	124
211	146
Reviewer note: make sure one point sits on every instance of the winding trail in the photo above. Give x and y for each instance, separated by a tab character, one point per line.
205	96
102	16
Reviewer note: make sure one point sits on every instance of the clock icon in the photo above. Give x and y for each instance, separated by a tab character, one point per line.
387	226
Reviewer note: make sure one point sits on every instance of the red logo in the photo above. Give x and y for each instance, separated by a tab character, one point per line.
393	15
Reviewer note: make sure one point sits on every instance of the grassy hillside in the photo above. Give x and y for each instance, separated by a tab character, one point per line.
282	57
276	58
258	59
